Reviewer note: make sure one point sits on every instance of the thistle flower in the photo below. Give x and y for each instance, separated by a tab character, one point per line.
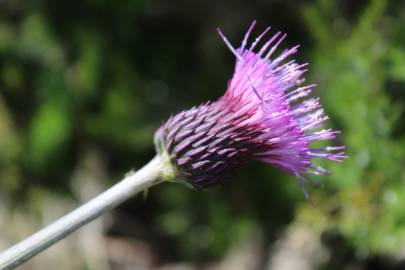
264	115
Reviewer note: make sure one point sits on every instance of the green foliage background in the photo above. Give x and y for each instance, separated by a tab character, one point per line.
104	75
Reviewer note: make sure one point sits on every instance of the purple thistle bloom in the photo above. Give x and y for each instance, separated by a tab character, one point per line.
263	115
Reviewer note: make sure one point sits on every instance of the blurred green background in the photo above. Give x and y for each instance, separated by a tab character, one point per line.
84	85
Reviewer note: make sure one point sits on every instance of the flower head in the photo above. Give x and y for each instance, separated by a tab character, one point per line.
264	115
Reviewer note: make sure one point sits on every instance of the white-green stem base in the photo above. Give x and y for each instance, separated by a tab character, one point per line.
133	183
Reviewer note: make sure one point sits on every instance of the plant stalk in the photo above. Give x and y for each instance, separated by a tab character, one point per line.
133	183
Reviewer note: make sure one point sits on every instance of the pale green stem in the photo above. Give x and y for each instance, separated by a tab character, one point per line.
133	183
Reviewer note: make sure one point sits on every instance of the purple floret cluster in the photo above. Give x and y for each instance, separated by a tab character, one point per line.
265	114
